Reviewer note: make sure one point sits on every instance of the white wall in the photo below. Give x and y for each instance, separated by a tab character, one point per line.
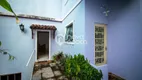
46	8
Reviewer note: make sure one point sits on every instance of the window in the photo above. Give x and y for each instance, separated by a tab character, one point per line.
69	33
100	44
16	76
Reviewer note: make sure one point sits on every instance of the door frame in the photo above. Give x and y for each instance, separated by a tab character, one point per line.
36	42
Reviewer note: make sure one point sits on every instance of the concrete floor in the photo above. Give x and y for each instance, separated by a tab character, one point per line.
43	57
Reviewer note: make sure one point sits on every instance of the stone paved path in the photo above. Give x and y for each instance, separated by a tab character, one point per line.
47	71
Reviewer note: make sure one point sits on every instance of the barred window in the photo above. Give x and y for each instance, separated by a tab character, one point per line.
16	76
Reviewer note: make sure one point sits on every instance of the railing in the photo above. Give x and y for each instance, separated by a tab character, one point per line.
32	56
30	66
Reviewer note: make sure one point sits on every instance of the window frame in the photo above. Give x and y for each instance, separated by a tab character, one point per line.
70	23
105	44
14	74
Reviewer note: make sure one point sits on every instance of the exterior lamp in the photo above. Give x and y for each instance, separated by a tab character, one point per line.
21	27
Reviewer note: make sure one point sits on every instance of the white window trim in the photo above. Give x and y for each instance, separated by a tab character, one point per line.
35	36
71	22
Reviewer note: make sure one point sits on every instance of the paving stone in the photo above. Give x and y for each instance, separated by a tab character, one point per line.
57	73
52	64
62	78
55	68
37	75
51	79
47	72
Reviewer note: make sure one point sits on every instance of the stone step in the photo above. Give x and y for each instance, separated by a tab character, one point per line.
47	70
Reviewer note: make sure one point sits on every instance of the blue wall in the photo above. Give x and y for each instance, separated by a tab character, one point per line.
78	15
19	44
124	39
67	5
46	8
94	14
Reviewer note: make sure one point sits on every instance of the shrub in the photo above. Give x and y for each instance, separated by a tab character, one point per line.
79	68
58	56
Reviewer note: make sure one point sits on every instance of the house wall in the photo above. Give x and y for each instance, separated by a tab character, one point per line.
46	8
124	39
67	5
78	16
94	14
20	45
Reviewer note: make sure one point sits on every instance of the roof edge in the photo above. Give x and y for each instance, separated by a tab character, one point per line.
31	17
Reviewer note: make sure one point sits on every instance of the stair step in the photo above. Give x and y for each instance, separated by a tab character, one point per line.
41	64
48	70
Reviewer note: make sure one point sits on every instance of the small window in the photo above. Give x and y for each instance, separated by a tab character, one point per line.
16	76
100	44
69	33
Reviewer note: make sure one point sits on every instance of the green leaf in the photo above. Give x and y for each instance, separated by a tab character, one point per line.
11	57
7	6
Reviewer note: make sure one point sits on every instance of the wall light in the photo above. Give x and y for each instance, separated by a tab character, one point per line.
21	27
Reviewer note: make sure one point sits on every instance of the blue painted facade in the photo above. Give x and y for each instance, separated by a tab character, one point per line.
21	45
123	31
93	15
124	41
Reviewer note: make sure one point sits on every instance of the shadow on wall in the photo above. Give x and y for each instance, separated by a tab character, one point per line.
116	7
119	4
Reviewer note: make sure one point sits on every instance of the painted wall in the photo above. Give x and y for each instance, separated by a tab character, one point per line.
19	44
46	8
124	39
67	5
78	16
94	14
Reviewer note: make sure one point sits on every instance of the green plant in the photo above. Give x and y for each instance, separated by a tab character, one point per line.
58	56
6	53
79	68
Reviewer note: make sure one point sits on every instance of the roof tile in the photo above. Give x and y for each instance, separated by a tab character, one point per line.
44	27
